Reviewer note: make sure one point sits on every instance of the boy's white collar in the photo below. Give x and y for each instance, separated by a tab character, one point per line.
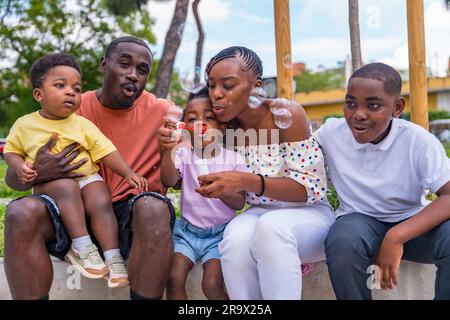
383	145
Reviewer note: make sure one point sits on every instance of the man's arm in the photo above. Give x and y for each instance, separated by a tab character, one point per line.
49	166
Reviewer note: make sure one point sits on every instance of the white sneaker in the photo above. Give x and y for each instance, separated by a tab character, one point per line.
88	262
118	275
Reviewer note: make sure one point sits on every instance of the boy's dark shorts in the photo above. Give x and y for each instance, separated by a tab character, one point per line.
123	211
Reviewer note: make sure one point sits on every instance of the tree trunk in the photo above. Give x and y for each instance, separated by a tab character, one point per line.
171	45
7	8
201	38
355	42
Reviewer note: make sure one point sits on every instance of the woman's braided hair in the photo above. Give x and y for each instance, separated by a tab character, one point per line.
251	60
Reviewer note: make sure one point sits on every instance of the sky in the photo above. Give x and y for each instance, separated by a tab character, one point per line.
319	32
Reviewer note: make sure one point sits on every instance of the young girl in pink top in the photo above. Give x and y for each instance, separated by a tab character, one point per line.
199	230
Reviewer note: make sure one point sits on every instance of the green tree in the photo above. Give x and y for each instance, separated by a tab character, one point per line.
166	84
321	80
432	115
34	28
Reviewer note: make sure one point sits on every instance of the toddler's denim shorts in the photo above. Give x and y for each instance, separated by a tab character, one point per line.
197	243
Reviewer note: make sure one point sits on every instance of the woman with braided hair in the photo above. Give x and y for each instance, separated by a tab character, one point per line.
289	217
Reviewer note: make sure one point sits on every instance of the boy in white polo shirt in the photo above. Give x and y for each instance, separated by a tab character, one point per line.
381	167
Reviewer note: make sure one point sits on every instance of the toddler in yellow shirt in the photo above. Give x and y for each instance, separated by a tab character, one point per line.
56	81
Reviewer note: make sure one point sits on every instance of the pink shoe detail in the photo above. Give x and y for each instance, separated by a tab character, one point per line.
307	268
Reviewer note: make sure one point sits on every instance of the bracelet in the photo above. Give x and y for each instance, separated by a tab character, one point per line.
263	186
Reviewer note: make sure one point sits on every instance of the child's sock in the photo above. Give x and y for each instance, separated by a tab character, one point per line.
111	253
81	242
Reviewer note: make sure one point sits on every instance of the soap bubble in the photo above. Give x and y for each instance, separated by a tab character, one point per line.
283	119
281	114
188	80
174	113
255	98
187	32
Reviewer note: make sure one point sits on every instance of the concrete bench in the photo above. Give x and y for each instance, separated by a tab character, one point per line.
416	281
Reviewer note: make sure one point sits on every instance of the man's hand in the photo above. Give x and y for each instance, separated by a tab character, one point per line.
26	173
51	166
388	260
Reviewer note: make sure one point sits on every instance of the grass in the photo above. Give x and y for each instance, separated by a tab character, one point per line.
447	148
5	191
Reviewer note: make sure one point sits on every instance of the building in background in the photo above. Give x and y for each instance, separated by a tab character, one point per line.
321	104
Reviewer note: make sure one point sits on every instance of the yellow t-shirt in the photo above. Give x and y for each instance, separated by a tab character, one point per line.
30	132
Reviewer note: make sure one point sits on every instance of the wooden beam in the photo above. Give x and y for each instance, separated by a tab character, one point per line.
417	63
283	49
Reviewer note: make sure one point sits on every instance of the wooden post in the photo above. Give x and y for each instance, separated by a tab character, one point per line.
283	49
417	63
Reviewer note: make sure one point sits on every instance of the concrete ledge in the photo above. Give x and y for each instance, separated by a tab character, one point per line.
416	281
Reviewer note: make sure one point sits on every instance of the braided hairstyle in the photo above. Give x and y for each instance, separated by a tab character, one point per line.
251	60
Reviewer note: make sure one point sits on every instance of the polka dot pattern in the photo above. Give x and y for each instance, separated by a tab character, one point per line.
302	161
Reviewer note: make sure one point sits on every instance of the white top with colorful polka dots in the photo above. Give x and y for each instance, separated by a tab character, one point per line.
301	161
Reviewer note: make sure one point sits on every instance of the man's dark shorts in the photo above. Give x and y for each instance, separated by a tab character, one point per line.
123	211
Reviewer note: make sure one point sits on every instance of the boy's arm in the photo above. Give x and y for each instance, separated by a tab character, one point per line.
169	174
391	249
235	201
118	165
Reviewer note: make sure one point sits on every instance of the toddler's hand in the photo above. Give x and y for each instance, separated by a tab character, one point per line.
26	173
137	181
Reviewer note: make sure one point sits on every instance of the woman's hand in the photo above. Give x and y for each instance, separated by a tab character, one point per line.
219	184
388	260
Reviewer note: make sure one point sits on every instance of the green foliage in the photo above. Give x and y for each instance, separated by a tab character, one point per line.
82	30
332	197
321	80
5	191
122	8
447	148
432	115
336	115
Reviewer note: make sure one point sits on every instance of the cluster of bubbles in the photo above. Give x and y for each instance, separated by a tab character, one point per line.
190	79
279	107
